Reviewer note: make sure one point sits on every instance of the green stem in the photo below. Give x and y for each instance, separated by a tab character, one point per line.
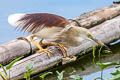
94	48
100	53
9	74
3	76
102	75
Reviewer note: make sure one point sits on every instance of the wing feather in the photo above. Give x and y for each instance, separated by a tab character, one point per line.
34	22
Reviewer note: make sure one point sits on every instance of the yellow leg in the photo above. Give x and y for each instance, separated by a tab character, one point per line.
63	49
56	44
40	48
66	58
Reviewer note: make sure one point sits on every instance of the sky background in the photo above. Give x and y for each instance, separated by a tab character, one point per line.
66	8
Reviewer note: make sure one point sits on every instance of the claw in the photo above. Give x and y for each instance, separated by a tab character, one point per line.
40	48
47	51
63	49
55	44
73	58
68	59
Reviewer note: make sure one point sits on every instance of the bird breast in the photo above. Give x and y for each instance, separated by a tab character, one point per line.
67	40
48	33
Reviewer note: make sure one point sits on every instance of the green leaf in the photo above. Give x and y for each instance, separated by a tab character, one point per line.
29	66
114	78
29	69
13	62
45	74
117	72
107	51
60	75
82	53
76	77
3	69
105	65
57	64
26	75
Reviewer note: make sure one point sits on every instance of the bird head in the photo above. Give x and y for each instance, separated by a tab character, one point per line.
83	33
97	41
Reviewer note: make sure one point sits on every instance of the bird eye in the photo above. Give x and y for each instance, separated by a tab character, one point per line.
90	36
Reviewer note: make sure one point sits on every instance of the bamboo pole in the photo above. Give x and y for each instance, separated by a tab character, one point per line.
17	48
106	32
98	16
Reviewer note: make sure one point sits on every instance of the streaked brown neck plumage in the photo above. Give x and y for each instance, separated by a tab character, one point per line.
71	36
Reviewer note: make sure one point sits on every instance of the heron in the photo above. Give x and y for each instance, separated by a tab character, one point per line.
51	26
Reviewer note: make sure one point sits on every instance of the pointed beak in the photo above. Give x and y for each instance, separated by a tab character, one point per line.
98	41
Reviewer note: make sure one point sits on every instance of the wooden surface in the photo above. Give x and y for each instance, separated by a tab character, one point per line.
98	16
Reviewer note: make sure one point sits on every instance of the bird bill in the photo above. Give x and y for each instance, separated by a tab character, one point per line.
98	41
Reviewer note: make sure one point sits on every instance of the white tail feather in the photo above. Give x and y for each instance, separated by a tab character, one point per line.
12	19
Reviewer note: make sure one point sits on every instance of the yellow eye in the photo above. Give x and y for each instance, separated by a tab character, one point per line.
90	36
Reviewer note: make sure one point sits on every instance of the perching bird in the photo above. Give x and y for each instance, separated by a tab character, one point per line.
51	26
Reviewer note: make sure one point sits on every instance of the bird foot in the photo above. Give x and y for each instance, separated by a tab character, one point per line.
68	59
56	44
40	48
46	51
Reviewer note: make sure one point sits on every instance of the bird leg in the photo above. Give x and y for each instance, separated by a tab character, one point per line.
60	46
63	49
40	48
